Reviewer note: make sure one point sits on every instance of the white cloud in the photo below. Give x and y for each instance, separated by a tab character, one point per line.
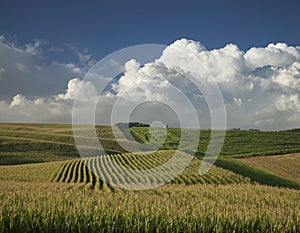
79	89
74	68
280	55
57	108
284	112
18	100
250	81
261	86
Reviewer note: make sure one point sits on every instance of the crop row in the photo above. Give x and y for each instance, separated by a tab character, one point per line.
237	143
123	170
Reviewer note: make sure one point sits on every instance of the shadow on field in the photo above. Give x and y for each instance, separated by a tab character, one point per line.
259	175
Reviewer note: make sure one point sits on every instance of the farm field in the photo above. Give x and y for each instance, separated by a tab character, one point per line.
46	187
238	143
33	143
285	165
49	207
74	171
37	172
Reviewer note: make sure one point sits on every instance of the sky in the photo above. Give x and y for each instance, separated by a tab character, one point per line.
254	45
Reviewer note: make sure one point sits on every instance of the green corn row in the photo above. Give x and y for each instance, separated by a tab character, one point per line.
95	171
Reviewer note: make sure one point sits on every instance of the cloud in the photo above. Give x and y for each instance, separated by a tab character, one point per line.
18	100
24	70
284	111
85	58
252	82
34	48
2	71
276	55
261	86
79	89
56	108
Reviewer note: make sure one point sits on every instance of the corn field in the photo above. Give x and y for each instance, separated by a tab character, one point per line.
46	187
52	207
77	171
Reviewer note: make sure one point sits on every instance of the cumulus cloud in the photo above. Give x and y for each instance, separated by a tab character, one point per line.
79	89
253	83
261	86
277	55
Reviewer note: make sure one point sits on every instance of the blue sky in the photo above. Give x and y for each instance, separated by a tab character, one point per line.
252	48
106	26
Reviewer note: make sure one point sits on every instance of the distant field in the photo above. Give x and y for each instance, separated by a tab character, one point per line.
238	143
33	143
287	166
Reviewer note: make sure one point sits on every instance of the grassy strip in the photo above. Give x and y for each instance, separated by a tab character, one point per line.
286	165
137	136
259	175
267	153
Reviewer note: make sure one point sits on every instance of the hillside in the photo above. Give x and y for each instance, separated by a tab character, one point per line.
32	143
284	165
238	143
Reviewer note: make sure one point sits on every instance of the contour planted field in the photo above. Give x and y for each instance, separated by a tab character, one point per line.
75	171
35	143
